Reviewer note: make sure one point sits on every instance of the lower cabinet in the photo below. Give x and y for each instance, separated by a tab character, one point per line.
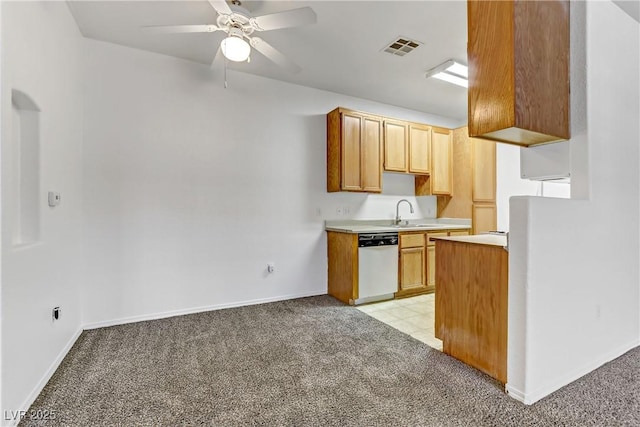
412	264
417	264
342	254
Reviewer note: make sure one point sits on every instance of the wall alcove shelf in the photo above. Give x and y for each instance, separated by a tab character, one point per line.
24	161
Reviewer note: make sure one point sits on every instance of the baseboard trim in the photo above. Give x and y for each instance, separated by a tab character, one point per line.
173	313
531	398
46	377
514	393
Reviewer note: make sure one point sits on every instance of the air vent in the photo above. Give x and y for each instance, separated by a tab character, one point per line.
401	46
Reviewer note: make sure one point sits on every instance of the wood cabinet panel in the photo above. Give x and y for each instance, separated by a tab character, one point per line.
371	150
412	268
471	304
354	151
342	255
395	146
484	170
490	53
431	267
484	218
411	240
431	258
461	203
518	74
419	149
334	151
435	234
441	181
351	132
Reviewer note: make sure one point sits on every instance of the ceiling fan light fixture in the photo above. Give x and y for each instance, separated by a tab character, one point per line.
235	47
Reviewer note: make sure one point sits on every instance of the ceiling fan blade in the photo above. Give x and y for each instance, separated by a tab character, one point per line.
168	29
274	55
221	6
289	18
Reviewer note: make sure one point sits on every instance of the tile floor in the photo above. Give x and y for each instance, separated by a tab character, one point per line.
413	316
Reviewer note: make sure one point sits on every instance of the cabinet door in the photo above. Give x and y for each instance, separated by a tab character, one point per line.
484	170
419	149
412	268
371	152
441	153
351	161
431	267
395	146
484	218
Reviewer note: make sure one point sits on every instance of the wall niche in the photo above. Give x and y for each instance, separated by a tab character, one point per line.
24	175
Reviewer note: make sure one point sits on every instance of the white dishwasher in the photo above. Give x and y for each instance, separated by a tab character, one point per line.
377	266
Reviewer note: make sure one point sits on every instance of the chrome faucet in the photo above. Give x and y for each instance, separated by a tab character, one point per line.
397	221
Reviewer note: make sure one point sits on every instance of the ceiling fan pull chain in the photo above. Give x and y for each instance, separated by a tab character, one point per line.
225	73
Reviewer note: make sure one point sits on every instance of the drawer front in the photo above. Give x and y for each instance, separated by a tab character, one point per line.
459	233
411	240
438	234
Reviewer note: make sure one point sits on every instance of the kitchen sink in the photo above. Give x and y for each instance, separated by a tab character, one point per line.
419	225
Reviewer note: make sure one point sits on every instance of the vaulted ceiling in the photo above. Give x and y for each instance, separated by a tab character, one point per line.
342	52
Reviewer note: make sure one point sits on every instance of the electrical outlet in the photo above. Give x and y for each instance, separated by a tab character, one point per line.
53	198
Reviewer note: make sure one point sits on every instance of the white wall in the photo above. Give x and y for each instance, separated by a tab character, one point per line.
2	110
191	189
509	183
574	283
41	48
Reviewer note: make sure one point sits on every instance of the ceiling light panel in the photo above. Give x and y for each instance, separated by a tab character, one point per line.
452	79
450	71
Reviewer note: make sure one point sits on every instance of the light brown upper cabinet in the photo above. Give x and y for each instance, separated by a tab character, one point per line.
484	170
395	146
407	147
441	168
354	151
419	149
518	53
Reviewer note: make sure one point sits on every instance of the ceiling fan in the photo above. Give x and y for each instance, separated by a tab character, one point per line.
239	25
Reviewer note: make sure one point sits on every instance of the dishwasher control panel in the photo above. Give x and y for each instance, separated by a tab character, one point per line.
377	239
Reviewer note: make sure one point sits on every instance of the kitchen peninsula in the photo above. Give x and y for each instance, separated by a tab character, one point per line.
471	300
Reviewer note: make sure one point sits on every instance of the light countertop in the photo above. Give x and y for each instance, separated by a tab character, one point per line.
385	226
479	239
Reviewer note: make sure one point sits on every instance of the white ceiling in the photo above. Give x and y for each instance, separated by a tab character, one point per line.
631	7
342	52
